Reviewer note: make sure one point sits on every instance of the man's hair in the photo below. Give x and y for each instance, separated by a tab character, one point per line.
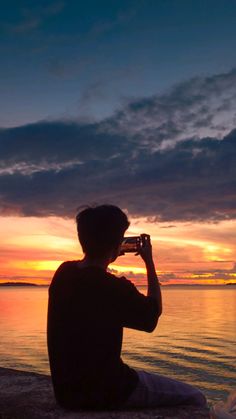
101	229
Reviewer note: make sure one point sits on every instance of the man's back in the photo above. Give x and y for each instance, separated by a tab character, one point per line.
87	311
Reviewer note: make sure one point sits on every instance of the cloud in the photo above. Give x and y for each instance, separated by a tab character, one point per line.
199	277
214	275
51	168
199	107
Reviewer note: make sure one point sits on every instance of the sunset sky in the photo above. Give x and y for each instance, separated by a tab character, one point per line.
131	103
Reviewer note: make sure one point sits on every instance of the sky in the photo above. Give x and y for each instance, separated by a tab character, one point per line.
129	103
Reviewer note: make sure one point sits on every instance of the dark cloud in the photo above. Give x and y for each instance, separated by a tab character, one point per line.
48	143
148	167
53	168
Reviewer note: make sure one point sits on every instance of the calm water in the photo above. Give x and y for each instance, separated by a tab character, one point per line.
194	341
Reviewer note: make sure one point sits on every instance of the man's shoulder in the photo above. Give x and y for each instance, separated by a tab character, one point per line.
64	267
62	271
121	282
67	264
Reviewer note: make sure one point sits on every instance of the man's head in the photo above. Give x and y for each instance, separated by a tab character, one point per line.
101	230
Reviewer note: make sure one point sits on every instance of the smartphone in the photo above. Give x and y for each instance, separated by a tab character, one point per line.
131	244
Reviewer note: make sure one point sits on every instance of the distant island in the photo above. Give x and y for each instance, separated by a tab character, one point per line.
18	284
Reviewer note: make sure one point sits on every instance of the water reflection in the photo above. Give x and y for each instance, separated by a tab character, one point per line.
194	340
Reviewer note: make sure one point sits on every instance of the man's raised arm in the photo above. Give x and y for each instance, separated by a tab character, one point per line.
154	289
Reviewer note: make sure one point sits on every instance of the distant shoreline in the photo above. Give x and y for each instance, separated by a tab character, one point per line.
31	284
21	284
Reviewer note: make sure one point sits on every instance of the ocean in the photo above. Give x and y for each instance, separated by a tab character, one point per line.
194	340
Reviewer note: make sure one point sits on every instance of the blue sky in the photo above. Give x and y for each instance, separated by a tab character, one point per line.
122	101
83	60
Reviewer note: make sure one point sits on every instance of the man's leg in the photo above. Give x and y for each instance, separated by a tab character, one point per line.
156	390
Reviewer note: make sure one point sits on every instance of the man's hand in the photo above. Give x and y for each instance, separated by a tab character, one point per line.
145	249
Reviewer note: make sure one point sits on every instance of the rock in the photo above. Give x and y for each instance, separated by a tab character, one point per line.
27	395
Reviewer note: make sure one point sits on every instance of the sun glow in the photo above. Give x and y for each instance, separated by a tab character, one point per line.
39	265
216	253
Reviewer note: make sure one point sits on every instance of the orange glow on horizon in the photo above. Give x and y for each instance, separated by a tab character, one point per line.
33	248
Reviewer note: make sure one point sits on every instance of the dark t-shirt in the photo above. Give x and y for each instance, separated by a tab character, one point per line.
87	311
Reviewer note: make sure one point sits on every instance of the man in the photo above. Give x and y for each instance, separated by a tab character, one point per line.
88	308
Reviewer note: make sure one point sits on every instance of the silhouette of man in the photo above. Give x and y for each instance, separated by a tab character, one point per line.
88	308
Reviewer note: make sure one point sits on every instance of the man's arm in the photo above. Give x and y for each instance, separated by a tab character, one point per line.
138	311
154	289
